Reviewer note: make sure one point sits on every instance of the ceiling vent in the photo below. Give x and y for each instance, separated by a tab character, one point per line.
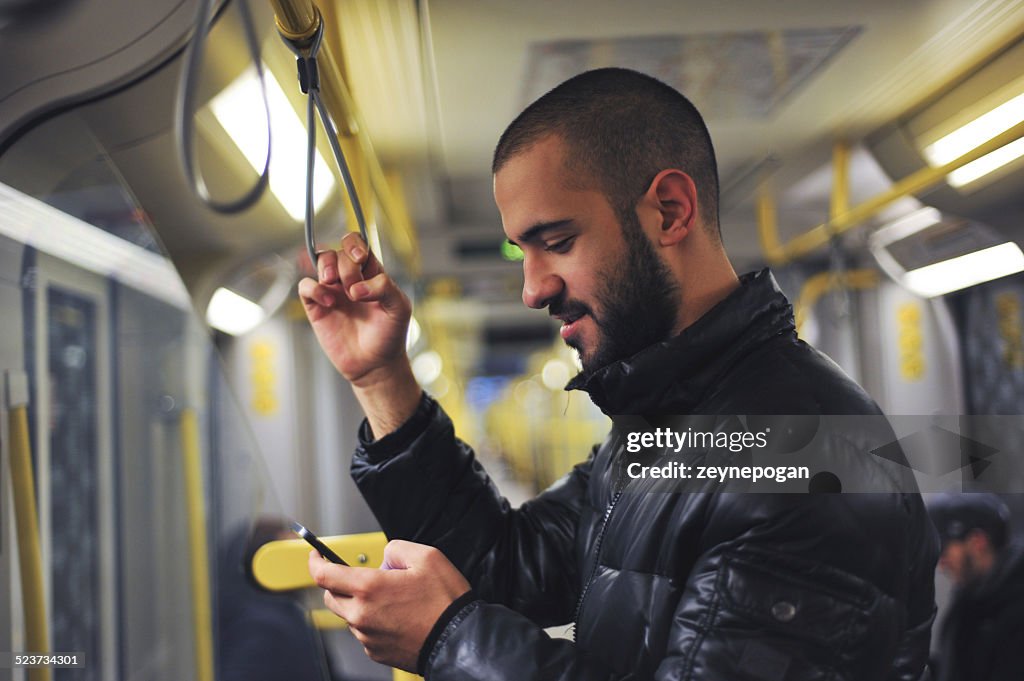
743	75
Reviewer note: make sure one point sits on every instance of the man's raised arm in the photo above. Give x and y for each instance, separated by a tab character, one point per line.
361	318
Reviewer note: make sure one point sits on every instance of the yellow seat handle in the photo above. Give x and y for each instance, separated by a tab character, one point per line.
283	565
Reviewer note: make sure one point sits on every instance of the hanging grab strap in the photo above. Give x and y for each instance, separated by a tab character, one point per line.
185	107
309	82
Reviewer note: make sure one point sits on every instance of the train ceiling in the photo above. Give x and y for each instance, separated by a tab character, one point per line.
437	81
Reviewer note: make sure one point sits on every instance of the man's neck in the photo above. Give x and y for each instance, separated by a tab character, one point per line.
703	292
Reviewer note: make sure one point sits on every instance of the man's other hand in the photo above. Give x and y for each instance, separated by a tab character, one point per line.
391	610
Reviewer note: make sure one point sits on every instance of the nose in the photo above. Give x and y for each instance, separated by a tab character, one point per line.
540	285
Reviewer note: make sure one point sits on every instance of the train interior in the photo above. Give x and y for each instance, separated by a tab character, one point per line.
165	400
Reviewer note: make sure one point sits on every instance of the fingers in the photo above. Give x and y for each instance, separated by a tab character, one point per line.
345	267
350	265
327	267
313	294
383	290
359	253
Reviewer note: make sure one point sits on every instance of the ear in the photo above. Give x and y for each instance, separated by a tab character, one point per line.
675	195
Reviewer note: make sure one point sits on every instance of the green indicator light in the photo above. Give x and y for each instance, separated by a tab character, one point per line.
511	252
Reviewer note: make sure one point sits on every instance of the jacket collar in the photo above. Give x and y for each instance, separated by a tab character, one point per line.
673	376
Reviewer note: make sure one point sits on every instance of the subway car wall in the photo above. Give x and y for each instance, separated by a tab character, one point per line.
151	446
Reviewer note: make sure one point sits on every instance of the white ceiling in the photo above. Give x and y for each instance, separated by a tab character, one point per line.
907	50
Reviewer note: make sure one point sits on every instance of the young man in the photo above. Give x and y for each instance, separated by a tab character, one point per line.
982	635
608	184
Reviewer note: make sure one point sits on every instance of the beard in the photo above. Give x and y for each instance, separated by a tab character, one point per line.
638	302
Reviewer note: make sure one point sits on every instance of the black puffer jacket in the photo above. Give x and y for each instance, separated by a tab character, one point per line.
688	585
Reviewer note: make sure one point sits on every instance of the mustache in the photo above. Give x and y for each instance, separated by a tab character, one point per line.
568	307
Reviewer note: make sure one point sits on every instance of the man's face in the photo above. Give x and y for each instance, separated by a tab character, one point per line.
602	279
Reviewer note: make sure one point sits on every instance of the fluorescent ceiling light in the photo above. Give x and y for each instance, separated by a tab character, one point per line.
29	221
909	224
231	313
239	109
965	270
974	134
986	164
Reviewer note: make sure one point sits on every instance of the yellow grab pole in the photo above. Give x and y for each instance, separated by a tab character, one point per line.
840	202
767	226
26	519
202	613
912	184
821	283
296	19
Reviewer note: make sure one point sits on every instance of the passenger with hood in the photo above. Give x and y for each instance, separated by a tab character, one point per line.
261	636
982	634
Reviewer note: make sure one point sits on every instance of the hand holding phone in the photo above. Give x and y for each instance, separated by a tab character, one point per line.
315	542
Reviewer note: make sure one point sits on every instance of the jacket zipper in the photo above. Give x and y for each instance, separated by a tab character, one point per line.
597	562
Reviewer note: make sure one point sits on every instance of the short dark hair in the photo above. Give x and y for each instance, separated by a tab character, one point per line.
621	128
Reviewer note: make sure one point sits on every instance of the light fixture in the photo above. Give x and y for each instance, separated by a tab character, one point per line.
237	109
966	270
555	374
986	164
29	221
974	134
232	313
426	367
909	224
412	336
932	254
511	252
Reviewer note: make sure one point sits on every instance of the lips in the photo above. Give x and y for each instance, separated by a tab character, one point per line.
571	314
569	326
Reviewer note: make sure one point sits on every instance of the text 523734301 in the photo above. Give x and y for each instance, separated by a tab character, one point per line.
13	660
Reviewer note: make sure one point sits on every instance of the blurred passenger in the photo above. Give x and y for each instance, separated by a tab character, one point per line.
609	185
262	636
982	635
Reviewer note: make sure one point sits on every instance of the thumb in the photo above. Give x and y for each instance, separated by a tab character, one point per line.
402	555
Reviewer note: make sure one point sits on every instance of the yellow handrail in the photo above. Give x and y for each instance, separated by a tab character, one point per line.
202	613
30	558
821	283
813	239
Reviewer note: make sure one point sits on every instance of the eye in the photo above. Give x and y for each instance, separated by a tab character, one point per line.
562	246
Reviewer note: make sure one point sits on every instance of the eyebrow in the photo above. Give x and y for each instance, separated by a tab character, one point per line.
535	232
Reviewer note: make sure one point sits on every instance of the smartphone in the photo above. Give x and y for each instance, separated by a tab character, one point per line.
315	542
